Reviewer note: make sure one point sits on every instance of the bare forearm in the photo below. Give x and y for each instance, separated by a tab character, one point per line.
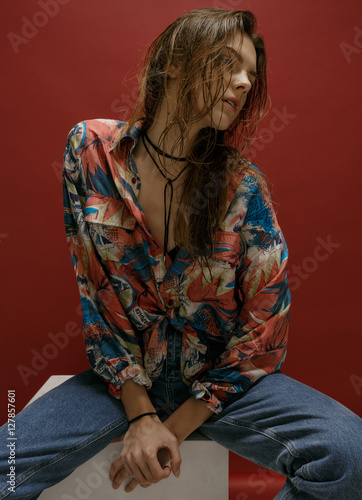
187	418
135	399
182	422
166	437
147	444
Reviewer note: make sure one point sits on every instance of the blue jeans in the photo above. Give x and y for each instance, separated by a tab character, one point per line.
279	423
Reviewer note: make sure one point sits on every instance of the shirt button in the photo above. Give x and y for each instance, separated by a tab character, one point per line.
170	302
133	180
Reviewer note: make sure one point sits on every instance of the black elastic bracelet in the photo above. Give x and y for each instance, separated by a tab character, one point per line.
142	415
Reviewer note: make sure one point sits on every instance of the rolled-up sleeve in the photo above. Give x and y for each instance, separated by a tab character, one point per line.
259	343
111	344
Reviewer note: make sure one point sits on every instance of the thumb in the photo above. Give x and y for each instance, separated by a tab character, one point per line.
175	460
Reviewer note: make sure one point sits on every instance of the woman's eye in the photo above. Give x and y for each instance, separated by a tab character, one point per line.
226	59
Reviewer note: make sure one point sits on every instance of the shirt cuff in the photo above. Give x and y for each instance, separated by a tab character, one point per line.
200	391
135	372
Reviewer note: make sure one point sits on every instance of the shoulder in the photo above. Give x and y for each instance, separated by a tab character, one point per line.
86	132
246	178
249	200
87	147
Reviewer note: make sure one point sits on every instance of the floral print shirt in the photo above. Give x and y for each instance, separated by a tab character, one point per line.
233	327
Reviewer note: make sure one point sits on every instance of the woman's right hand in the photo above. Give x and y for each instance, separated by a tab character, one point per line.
146	445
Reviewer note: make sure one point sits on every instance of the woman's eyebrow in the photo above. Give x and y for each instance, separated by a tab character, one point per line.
240	58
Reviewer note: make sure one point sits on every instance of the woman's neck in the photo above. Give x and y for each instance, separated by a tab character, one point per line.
172	138
171	143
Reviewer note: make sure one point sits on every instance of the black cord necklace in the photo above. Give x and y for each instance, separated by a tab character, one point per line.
168	183
162	153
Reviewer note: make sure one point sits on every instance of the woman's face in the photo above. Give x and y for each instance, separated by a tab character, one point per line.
239	57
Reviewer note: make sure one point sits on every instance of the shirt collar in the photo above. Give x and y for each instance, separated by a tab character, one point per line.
132	136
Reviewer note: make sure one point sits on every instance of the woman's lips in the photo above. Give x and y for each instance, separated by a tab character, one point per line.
232	106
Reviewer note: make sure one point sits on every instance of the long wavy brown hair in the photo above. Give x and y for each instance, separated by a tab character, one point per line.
194	44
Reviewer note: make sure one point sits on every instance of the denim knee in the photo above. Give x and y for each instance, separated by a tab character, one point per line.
345	461
336	458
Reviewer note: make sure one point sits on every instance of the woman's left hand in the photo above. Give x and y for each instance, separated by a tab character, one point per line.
163	456
147	446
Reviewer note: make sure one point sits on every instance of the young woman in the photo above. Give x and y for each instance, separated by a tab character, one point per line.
181	266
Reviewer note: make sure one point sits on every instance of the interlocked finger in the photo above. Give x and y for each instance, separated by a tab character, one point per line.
133	483
118	476
136	475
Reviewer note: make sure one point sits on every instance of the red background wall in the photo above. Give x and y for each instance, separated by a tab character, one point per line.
76	62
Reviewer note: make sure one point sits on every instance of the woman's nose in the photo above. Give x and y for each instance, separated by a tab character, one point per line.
242	80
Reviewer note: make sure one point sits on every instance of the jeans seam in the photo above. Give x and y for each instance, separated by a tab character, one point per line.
287	493
64	454
270	434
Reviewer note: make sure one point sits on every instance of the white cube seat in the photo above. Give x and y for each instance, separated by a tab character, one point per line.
204	472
